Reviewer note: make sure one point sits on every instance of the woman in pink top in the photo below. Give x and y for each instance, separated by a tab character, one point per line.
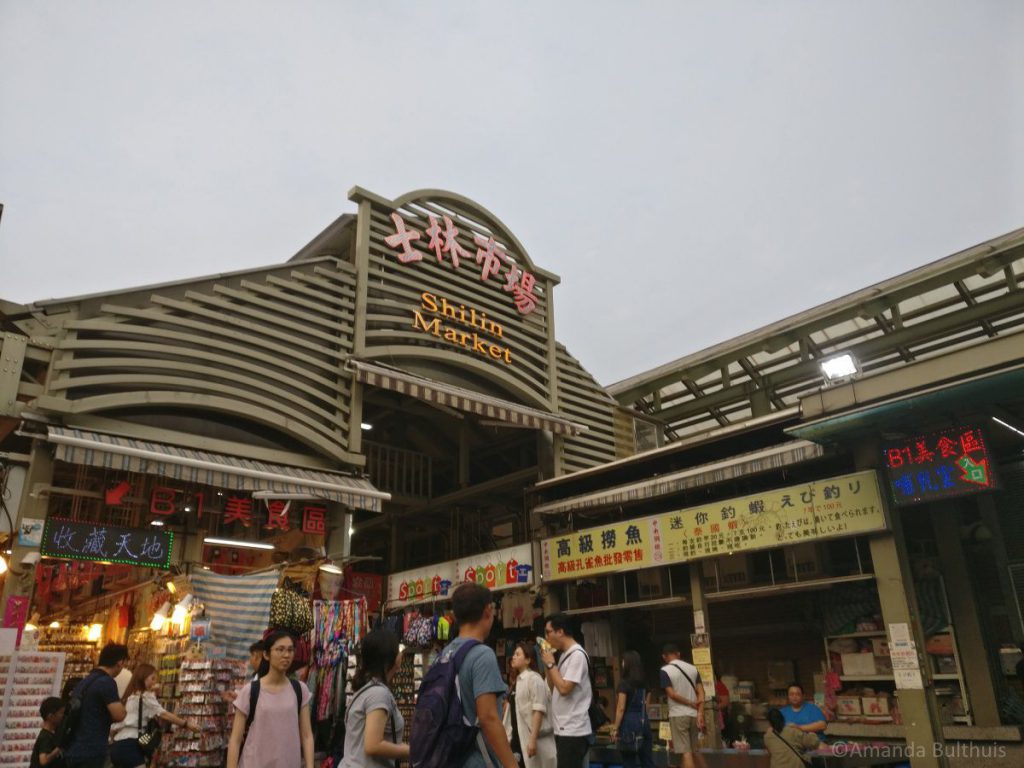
281	734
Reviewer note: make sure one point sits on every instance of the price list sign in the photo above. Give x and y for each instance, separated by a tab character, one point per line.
98	542
939	465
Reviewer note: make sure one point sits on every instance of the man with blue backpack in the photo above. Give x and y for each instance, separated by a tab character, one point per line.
457	722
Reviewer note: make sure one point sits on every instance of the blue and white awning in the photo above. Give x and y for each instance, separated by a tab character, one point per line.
218	470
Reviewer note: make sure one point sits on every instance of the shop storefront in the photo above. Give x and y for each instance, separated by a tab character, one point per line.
376	402
418	609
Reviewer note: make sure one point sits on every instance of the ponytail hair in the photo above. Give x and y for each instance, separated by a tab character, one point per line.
377	655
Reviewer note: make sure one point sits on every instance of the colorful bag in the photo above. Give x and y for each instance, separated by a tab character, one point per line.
290	610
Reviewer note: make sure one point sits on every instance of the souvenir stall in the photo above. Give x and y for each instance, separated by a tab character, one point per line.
418	610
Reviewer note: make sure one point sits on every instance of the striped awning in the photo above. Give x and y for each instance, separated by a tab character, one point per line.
462	399
218	470
695	477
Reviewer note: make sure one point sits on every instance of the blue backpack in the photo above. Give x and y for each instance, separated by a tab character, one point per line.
441	735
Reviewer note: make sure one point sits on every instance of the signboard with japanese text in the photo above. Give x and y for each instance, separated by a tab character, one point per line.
939	465
498	570
839	506
616	547
98	542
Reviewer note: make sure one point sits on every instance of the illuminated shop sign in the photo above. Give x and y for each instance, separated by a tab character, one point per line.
847	505
490	258
97	542
939	465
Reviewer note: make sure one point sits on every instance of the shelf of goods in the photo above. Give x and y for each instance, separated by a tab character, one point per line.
201	685
866	660
80	654
25	680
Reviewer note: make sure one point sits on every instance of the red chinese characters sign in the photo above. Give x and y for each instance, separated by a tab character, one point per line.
490	258
939	465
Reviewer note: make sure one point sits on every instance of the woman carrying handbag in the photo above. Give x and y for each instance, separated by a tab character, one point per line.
143	709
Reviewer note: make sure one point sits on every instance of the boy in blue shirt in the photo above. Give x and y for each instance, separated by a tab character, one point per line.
803	714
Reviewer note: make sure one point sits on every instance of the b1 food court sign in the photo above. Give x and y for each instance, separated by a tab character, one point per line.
847	505
96	542
939	465
498	570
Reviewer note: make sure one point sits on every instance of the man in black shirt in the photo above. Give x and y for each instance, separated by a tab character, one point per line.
46	751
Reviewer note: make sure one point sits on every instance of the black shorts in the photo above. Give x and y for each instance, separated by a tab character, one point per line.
127	754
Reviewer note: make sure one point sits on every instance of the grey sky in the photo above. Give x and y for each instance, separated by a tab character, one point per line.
692	170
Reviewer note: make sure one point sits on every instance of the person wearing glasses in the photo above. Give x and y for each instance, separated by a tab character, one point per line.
280	732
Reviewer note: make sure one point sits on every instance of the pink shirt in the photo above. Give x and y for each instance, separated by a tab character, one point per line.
274	739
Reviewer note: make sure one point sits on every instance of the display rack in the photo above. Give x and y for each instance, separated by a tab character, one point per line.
80	654
201	685
25	679
404	685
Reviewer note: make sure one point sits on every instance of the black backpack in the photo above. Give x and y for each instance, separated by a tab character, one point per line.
73	716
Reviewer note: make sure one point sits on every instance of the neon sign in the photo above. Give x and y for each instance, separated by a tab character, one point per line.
76	540
939	465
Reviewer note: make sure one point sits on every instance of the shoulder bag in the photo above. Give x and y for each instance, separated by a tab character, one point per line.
149	739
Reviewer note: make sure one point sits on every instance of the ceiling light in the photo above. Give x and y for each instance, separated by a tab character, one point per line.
33	623
54	625
236	543
170	586
1008	426
839	367
158	523
367	426
328	566
95	632
351	531
3	565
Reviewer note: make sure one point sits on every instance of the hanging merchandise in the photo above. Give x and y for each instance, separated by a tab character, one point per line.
25	680
420	631
290	610
338	626
199	693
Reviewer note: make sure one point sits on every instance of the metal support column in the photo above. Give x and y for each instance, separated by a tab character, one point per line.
970	636
918	707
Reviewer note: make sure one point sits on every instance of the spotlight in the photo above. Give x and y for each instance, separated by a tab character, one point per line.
839	368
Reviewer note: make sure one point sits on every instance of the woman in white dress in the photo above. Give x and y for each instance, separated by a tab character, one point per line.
533	700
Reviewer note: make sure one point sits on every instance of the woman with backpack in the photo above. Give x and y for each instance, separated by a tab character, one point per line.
632	728
142	706
373	723
529	703
272	726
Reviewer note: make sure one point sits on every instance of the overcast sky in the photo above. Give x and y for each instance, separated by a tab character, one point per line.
692	170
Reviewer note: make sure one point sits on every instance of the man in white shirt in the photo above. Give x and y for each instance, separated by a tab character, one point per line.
685	692
570	692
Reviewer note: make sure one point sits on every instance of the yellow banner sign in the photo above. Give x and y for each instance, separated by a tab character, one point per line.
616	547
839	506
848	505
